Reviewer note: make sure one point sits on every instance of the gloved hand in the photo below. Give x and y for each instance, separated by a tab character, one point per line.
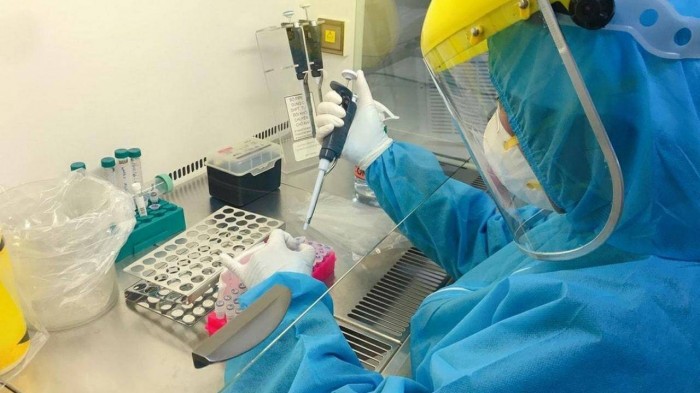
281	253
366	138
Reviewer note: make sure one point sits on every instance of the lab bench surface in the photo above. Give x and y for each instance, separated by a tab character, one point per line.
129	349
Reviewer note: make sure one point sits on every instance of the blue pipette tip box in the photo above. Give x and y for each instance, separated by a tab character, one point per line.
159	225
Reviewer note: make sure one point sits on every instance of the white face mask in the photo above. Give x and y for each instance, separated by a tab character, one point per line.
509	165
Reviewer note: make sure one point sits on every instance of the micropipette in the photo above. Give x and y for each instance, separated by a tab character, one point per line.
312	38
297	47
333	144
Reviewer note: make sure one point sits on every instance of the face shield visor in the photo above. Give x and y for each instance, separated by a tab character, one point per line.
518	99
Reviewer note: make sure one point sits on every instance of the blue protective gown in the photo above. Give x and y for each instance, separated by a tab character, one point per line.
624	318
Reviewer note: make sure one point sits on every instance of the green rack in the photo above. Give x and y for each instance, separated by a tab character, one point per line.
159	225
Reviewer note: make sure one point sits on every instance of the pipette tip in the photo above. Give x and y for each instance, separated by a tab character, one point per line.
306	225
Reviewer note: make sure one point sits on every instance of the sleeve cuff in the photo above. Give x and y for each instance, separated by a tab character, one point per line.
305	291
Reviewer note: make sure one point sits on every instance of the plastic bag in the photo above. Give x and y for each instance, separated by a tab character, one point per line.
63	236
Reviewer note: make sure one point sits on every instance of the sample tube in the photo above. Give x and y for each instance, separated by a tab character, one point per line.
123	170
153	197
138	199
109	172
135	159
230	311
162	184
219	309
77	166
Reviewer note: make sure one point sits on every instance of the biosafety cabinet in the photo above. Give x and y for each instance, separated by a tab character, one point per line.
182	82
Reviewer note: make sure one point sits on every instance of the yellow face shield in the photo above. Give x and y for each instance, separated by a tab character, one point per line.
455	31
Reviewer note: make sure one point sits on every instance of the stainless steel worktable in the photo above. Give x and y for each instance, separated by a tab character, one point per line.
134	350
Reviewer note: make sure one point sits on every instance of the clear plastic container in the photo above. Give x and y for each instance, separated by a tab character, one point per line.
245	172
363	193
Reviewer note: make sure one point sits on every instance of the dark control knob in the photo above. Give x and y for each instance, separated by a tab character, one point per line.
592	14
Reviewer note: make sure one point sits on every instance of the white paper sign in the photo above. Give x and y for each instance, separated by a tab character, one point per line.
299	119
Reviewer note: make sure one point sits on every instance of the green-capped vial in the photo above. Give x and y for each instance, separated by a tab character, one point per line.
123	170
135	160
109	170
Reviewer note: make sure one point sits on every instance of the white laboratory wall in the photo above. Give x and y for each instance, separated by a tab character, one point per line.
178	79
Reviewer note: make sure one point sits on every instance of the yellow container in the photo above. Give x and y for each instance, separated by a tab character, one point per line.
14	337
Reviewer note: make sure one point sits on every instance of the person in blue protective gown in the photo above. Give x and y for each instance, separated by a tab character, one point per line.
623	316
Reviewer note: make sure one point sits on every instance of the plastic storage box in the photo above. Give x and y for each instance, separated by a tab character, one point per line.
243	173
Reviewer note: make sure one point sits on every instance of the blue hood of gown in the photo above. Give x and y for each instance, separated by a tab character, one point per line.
651	110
